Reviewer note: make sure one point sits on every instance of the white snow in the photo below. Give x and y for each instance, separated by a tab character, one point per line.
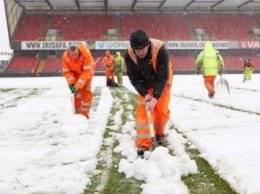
46	149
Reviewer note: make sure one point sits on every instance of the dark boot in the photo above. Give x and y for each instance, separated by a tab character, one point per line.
212	95
159	138
141	150
109	82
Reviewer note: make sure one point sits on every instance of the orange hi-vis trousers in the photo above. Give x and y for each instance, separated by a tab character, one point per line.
110	74
160	116
209	83
83	99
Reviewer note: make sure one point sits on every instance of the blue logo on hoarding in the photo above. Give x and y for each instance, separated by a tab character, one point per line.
111	44
101	44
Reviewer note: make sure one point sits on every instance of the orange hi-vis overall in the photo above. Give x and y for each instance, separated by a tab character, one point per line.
80	72
161	112
109	63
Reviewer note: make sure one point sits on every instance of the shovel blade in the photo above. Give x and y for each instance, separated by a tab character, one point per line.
223	83
227	85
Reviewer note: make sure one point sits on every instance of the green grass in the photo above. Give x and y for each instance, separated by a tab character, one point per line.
204	182
6	89
116	183
13	101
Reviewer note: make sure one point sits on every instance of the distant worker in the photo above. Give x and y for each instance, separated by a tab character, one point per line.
211	63
119	68
150	72
108	63
77	68
248	69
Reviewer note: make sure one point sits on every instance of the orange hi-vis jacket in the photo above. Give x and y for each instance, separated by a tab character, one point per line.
161	112
155	46
109	63
80	72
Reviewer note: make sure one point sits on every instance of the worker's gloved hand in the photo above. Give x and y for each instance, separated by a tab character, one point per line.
220	71
71	86
74	89
151	104
147	98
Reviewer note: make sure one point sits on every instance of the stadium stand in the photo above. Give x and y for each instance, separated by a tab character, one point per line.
183	62
130	22
160	26
235	62
99	65
23	64
52	64
171	27
82	27
69	26
30	28
166	27
224	26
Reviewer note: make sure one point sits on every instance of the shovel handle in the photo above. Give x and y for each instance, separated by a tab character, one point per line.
73	103
151	127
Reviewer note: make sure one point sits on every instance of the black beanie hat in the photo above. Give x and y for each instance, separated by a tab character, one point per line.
139	39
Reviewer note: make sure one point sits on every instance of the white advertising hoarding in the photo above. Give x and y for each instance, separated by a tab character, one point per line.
48	45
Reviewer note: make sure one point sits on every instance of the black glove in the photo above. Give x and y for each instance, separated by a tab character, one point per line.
71	86
220	71
74	89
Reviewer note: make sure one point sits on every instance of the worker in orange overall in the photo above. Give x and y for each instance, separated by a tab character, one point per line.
108	63
78	69
150	72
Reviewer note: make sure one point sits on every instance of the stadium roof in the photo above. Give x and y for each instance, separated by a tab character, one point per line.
140	5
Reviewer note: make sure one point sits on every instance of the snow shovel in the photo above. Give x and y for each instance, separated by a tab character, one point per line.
224	83
73	103
150	122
